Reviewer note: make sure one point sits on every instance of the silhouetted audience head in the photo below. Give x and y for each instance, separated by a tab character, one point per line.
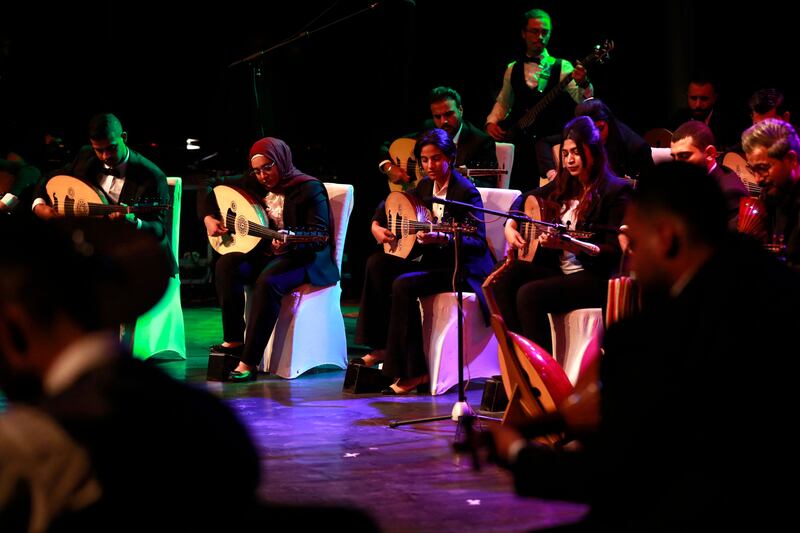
768	103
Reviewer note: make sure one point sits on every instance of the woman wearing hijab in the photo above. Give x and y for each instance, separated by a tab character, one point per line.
291	199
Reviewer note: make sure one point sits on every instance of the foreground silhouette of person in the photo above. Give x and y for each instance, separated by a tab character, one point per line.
156	449
680	445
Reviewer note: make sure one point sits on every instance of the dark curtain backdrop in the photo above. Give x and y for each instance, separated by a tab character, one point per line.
337	94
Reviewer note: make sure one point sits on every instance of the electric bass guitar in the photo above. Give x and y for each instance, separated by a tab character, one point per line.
74	197
401	152
525	123
406	216
247	224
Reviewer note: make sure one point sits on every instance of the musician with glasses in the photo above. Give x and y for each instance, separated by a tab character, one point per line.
389	319
772	147
122	175
562	275
524	83
291	199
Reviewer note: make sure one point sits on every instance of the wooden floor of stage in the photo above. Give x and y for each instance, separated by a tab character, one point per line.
321	446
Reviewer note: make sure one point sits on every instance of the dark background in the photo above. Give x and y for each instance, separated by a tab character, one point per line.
335	95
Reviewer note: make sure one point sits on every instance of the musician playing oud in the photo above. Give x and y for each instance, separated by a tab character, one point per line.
524	83
120	175
475	148
389	319
563	275
772	147
273	268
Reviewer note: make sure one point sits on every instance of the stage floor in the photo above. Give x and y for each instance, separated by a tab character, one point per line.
321	446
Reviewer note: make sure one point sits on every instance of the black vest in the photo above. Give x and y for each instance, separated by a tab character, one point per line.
553	118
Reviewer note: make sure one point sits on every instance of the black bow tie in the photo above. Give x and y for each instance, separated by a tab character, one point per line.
111	172
532	59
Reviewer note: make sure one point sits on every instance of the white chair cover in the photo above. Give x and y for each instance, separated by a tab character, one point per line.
310	329
160	331
439	315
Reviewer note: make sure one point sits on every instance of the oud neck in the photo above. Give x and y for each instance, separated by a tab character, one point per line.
105	209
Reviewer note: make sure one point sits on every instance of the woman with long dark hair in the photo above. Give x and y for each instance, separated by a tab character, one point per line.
563	276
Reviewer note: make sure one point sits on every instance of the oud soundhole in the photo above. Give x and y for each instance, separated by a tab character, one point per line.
81	208
242	225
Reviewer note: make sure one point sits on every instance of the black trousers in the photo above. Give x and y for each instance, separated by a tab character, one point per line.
527	292
271	278
390	317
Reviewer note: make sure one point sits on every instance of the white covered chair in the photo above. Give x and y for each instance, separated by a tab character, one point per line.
310	328
661	155
572	334
160	331
505	160
576	333
440	316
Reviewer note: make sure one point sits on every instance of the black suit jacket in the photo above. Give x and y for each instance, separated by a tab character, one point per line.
628	153
476	261
158	448
784	219
733	189
306	205
693	409
144	182
603	218
726	132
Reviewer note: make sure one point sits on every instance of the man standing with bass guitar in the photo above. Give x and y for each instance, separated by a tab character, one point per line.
524	84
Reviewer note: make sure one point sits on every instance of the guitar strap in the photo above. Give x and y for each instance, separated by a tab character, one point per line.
524	96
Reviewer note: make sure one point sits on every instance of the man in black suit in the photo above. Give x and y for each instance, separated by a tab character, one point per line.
694	143
677	447
475	148
146	436
701	104
122	175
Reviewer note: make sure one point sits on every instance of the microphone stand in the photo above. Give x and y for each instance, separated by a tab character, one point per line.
462	412
460	408
257	75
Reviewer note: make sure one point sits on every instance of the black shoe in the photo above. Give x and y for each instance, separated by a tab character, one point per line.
361	362
230	350
239	377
